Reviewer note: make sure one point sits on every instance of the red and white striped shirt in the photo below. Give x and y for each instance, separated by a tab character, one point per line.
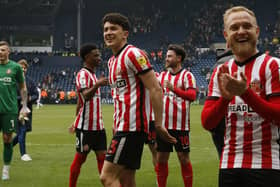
90	114
176	110
131	98
251	141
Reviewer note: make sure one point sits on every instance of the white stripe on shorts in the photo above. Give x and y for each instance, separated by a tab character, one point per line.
119	150
81	139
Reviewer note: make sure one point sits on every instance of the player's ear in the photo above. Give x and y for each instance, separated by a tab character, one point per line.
126	34
225	34
258	31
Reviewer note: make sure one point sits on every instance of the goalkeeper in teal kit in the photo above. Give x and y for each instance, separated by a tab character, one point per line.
11	75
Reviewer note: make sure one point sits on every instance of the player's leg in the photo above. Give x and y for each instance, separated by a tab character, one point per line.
123	157
110	174
80	157
9	124
162	168
125	178
21	139
186	168
15	139
163	152
75	168
100	146
153	150
183	148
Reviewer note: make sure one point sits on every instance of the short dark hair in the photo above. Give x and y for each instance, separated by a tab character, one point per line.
86	49
117	18
4	43
179	50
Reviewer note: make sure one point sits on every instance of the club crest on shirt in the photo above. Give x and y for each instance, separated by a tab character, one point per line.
9	71
256	86
142	61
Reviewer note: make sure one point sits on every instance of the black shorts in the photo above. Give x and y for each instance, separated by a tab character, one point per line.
90	140
249	178
126	149
151	138
182	145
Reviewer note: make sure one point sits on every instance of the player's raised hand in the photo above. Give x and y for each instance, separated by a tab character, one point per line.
222	82
236	86
103	81
163	133
167	84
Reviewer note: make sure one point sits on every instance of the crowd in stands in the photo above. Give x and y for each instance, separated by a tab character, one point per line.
201	29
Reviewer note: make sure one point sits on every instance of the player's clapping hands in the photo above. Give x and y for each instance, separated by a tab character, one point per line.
229	85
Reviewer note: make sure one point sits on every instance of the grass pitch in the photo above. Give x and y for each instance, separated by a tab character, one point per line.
52	149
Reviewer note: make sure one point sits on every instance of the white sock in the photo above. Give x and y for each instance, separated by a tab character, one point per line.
6	167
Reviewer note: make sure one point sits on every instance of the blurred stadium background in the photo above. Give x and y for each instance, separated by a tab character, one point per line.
48	33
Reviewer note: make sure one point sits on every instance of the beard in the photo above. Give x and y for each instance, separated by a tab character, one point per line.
244	49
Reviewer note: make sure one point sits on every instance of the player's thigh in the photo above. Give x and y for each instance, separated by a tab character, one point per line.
111	171
8	123
126	149
183	141
127	178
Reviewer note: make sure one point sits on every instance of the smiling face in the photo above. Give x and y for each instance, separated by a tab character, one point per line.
93	58
171	59
114	36
241	33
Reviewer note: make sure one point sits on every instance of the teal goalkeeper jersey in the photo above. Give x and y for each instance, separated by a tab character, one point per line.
10	74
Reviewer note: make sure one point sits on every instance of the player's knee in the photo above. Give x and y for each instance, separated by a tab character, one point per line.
184	159
105	180
7	138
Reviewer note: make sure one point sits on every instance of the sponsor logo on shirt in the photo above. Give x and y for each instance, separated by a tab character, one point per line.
240	108
121	83
6	79
256	86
